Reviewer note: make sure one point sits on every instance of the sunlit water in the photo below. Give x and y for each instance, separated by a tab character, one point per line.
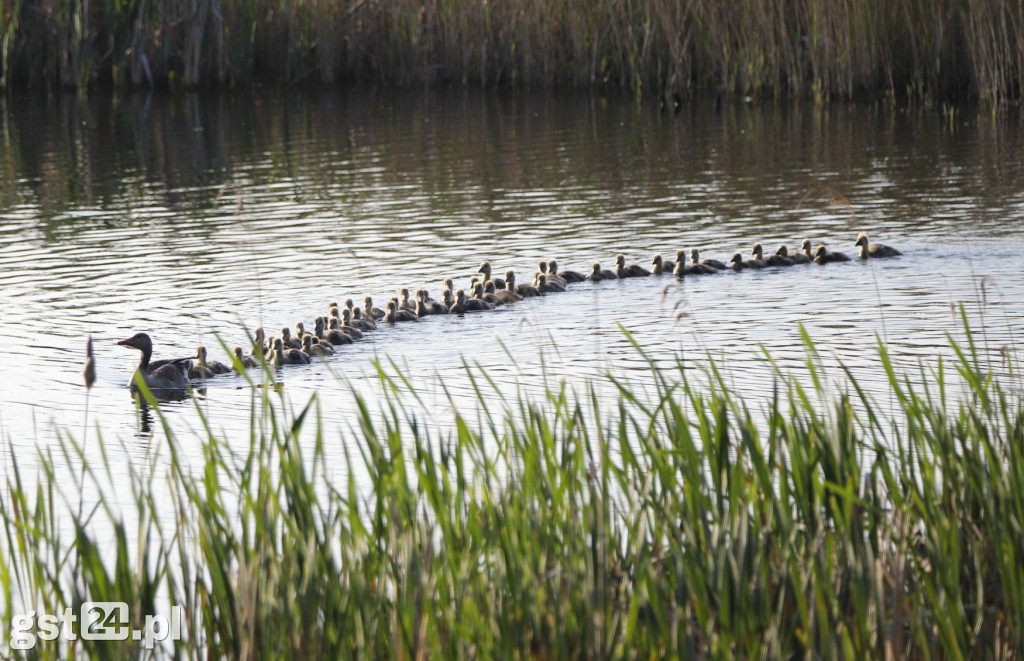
194	217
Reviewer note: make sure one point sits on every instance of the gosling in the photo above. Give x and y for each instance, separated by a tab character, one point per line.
822	256
773	260
523	290
796	258
631	271
566	276
660	266
597	274
874	250
485	268
713	263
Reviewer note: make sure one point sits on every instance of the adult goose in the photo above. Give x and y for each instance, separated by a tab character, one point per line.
168	374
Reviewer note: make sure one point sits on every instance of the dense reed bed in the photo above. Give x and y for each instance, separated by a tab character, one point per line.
931	51
677	521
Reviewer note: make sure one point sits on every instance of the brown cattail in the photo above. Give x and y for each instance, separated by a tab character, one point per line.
89	370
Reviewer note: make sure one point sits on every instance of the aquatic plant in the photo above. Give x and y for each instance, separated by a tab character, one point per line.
922	51
668	520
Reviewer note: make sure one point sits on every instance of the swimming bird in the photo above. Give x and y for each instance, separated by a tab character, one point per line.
431	306
565	276
490	294
312	347
737	263
288	341
245	361
406	302
548	287
168	374
631	271
485	268
393	313
286	356
334	334
523	290
349	327
805	248
713	263
542	270
598	274
797	257
874	250
660	266
259	344
476	304
756	263
364	322
823	256
370	311
480	294
505	295
205	369
773	260
459	306
682	268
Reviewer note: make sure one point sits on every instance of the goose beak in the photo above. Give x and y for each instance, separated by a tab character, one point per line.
124	343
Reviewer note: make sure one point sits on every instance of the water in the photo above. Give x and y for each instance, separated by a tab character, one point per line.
195	217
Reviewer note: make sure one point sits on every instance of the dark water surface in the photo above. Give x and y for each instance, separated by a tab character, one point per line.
189	216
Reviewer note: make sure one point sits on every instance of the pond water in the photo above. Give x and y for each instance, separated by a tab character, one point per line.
198	217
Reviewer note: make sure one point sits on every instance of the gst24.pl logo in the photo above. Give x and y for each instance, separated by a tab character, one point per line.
100	620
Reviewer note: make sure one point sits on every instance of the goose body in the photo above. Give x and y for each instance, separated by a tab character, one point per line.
488	293
459	306
245	361
287	356
395	313
205	369
168	374
348	327
523	290
823	256
660	266
485	268
631	271
683	269
370	311
548	287
873	250
312	347
565	276
773	260
713	263
475	304
430	305
598	274
737	263
288	341
796	258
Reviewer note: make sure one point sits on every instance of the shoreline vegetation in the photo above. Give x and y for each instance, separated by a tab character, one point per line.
671	523
947	51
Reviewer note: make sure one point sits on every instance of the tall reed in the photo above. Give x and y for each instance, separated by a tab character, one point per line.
948	50
673	523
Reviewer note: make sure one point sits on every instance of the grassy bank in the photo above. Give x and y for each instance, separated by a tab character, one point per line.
930	51
646	526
